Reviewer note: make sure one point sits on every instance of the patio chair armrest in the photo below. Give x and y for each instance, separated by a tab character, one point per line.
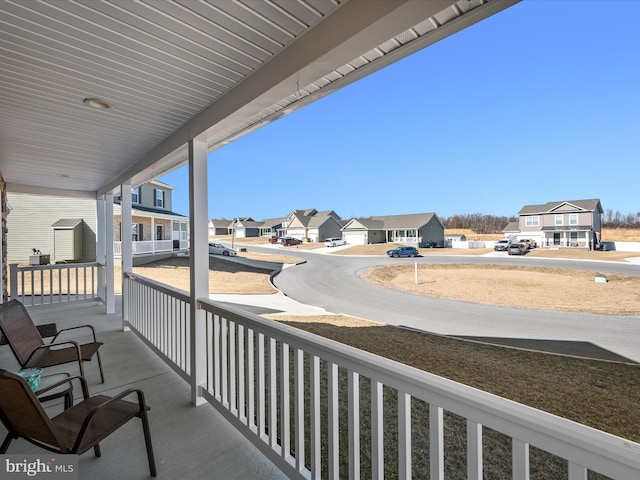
83	383
49	345
93	331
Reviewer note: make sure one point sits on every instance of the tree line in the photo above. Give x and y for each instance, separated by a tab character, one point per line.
481	223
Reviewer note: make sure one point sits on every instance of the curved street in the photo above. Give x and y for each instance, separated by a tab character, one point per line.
332	282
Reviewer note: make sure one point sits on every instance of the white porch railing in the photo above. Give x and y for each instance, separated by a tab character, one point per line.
320	409
412	240
59	283
147	246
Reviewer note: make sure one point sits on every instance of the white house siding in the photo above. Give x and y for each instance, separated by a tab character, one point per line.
30	220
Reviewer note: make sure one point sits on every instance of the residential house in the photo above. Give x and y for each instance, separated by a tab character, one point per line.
312	225
155	228
219	226
246	227
567	223
272	227
65	227
419	229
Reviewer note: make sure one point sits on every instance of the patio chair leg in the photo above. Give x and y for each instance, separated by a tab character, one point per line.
147	441
97	451
5	443
100	367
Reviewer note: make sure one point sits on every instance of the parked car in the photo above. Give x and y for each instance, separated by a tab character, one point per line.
332	242
502	245
288	241
219	249
529	243
274	239
403	252
517	249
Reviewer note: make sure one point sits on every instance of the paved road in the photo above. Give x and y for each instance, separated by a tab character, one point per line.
332	282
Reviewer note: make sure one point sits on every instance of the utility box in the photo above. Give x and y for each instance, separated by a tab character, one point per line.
40	259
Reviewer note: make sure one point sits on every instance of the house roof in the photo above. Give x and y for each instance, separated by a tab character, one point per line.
220	222
152	210
249	224
396	222
272	222
312	218
589	205
512	227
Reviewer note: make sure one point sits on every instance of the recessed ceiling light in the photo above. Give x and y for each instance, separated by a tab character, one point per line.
97	104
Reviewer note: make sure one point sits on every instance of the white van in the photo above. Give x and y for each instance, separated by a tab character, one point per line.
332	242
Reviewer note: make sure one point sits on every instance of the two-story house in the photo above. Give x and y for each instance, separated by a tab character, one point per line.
567	223
65	228
155	227
312	225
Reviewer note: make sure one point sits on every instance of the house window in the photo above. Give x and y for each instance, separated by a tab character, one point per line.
574	237
558	220
158	199
136	232
159	232
532	221
135	195
573	219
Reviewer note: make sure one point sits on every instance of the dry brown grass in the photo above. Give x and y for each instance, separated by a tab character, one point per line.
603	395
560	289
225	276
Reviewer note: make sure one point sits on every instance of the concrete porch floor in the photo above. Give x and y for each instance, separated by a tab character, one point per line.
189	442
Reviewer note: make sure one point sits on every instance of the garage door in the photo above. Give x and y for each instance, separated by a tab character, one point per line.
355	238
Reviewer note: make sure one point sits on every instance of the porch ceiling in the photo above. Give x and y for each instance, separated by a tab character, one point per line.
174	71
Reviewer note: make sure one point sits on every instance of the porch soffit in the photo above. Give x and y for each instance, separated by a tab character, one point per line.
175	71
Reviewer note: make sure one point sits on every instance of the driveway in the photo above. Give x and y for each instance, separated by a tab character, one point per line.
332	283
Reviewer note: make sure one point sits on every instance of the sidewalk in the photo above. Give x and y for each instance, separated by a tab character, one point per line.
263	304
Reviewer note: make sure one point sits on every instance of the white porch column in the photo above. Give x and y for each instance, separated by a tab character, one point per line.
100	247
127	245
199	263
110	301
153	235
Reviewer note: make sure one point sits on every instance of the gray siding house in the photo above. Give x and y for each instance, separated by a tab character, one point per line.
567	223
65	228
417	229
62	227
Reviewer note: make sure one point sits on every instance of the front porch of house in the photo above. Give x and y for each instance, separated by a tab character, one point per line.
189	443
276	402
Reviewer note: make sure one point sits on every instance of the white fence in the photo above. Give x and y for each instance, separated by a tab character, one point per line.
321	409
148	246
48	284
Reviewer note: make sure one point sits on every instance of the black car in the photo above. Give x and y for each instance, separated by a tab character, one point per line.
403	252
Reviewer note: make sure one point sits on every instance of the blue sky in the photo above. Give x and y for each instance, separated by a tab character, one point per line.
538	103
